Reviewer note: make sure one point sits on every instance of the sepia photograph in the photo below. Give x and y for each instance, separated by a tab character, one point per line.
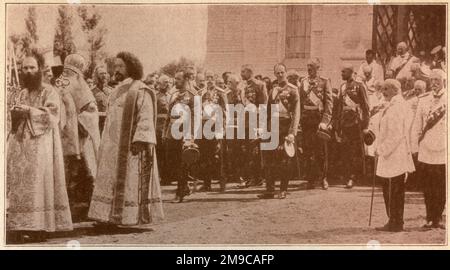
228	125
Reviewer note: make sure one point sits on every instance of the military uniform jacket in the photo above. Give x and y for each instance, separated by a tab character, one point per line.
353	106
214	96
162	105
233	97
254	92
432	148
288	99
101	97
185	97
316	95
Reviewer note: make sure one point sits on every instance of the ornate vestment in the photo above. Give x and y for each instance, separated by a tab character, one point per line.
126	189
36	187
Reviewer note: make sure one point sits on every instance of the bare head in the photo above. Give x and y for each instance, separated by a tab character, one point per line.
419	87
370	56
127	65
233	81
437	78
347	72
367	71
163	83
279	70
391	88
210	79
313	66
101	75
246	72
378	85
32	69
200	80
179	80
220	83
402	48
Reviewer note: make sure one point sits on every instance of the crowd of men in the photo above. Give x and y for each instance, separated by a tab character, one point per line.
99	150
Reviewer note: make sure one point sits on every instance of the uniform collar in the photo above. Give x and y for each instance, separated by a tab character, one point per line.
285	84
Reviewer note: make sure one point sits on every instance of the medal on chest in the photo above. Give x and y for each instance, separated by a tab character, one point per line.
283	97
250	94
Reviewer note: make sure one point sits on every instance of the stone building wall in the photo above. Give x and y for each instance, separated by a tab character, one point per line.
249	34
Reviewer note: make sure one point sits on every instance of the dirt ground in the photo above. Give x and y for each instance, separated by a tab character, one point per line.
311	218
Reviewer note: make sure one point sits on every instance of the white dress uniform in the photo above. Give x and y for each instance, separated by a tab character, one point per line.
393	146
432	149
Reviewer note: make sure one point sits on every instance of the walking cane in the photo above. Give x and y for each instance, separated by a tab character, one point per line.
373	187
325	163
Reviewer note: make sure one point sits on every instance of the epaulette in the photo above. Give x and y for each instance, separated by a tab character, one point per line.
291	85
256	81
424	94
193	92
408	94
220	89
227	91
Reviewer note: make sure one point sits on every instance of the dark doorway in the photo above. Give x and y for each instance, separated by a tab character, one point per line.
422	27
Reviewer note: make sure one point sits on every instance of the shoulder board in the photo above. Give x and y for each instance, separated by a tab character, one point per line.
424	94
220	89
193	92
256	81
227	91
291	85
324	78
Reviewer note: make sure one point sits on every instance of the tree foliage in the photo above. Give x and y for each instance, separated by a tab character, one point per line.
22	42
64	43
31	26
181	64
90	24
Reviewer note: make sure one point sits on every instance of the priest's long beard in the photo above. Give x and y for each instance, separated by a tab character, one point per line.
32	81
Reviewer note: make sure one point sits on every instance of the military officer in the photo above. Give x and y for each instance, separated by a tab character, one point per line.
211	154
183	95
281	166
352	121
377	69
162	105
401	64
220	83
200	82
429	137
316	107
234	155
101	93
254	92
